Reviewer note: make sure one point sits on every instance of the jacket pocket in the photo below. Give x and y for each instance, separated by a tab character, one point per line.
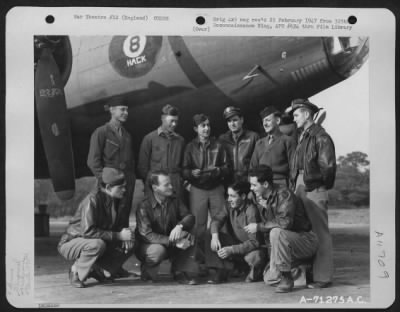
157	153
110	148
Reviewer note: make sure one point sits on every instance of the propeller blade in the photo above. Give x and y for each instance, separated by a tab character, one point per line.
54	125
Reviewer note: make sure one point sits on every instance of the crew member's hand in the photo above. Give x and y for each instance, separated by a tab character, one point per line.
127	246
183	243
261	201
196	173
215	171
251	228
187	186
175	234
215	243
225	252
301	191
125	234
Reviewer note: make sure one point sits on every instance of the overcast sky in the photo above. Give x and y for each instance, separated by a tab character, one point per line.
347	108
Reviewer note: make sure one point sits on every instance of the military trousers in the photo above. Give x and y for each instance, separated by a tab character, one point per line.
316	206
256	259
281	181
201	202
89	251
126	201
151	256
288	249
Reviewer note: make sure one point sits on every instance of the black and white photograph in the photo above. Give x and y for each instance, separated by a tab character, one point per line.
174	169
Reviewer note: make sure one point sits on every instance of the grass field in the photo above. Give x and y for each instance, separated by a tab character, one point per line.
349	216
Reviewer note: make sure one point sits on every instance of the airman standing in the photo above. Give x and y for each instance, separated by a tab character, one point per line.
276	149
162	149
239	143
313	170
205	166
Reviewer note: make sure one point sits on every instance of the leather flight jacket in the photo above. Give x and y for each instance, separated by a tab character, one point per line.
211	159
93	219
155	221
282	209
239	152
319	159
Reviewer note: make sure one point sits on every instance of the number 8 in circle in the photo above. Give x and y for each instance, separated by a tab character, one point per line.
134	45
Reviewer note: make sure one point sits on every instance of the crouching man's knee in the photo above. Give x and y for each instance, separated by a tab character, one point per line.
275	234
95	246
256	257
155	254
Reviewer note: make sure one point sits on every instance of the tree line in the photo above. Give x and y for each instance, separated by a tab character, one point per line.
352	181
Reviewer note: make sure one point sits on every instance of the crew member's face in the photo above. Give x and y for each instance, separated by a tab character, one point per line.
234	199
119	113
271	123
164	187
203	129
300	117
169	123
117	191
257	187
235	123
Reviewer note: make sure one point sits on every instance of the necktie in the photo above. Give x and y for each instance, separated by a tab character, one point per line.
270	139
303	135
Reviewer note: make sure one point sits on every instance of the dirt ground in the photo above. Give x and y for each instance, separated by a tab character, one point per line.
351	279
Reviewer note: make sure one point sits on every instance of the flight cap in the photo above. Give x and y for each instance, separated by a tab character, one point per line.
302	103
268	111
117	101
231	111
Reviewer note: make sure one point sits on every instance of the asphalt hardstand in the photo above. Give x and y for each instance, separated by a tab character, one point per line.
351	281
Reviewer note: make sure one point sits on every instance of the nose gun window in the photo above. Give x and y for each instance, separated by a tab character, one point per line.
350	43
347	54
345	44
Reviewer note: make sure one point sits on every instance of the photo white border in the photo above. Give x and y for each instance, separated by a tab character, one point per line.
377	24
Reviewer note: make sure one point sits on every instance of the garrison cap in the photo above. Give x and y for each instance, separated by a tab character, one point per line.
117	101
112	176
268	111
231	111
199	118
302	103
170	110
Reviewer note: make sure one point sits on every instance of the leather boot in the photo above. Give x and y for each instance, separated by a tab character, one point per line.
221	276
74	279
286	284
255	275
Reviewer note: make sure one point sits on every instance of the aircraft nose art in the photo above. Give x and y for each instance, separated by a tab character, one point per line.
134	56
